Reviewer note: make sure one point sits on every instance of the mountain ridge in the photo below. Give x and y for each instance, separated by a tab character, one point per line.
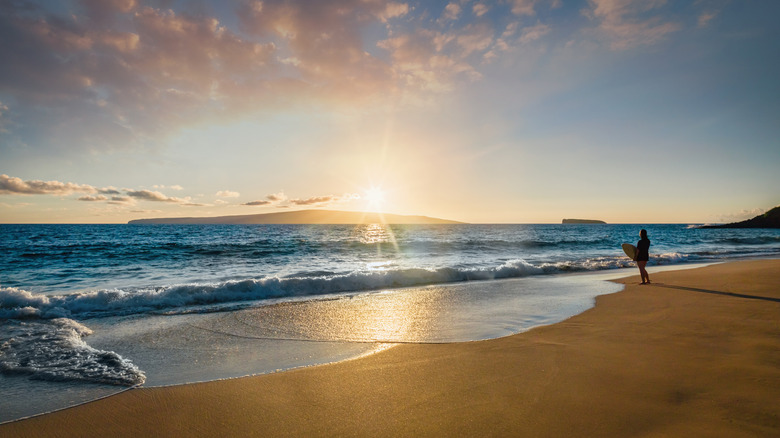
302	217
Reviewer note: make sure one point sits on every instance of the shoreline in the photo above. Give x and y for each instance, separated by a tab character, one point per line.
424	376
384	318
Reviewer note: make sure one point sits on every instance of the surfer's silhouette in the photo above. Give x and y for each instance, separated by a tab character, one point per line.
643	255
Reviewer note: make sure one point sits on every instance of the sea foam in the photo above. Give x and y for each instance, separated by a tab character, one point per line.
54	350
19	303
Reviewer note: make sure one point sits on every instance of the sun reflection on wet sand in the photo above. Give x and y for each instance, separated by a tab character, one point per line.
174	349
446	313
383	317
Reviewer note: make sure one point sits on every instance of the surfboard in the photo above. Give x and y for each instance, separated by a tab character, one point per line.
630	250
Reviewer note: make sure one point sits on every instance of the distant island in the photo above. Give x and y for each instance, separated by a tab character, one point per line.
302	217
582	221
770	219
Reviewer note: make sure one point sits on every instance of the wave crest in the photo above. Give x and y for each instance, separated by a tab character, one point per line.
19	303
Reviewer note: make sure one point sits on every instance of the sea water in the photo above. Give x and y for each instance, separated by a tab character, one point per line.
87	310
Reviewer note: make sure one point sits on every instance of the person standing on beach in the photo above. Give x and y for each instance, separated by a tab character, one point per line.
643	255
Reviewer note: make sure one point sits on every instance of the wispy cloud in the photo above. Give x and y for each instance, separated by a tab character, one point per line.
528	7
3	121
314	200
706	17
121	200
280	200
325	200
480	9
630	23
227	194
534	33
165	70
114	74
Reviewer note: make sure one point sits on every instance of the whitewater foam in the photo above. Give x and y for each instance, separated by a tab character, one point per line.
19	303
54	350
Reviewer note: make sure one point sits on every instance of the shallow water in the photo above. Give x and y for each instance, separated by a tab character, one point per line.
86	305
184	348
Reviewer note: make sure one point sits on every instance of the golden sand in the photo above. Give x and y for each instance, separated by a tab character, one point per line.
695	354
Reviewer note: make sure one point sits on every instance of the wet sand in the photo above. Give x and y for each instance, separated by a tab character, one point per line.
695	354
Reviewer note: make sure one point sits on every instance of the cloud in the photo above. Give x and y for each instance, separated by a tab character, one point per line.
277	197
534	33
523	7
327	199
153	196
451	11
13	186
3	122
95	198
273	198
630	23
228	194
480	9
326	42
258	203
16	186
435	61
148	195
475	38
130	73
121	200
314	200
164	70
393	10
704	20
109	191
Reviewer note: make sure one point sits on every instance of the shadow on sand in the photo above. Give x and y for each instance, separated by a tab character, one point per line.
717	292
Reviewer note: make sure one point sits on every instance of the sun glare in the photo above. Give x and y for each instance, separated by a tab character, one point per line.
375	197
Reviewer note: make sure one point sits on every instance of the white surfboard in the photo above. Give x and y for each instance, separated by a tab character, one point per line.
630	250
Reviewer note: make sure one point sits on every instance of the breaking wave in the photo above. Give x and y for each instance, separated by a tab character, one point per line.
19	303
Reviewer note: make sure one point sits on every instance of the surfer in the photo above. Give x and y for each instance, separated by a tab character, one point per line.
643	255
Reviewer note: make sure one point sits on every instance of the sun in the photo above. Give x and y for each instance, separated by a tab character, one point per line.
375	197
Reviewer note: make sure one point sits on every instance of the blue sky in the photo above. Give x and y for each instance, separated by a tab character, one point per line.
522	111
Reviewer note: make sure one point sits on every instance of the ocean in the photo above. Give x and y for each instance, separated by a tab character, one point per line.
90	310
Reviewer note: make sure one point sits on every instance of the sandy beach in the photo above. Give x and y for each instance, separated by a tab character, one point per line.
697	353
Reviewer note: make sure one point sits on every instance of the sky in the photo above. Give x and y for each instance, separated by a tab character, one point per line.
509	111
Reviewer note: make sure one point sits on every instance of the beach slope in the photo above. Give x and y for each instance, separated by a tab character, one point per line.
695	354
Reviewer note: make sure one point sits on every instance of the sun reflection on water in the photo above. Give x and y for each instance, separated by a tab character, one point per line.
376	234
